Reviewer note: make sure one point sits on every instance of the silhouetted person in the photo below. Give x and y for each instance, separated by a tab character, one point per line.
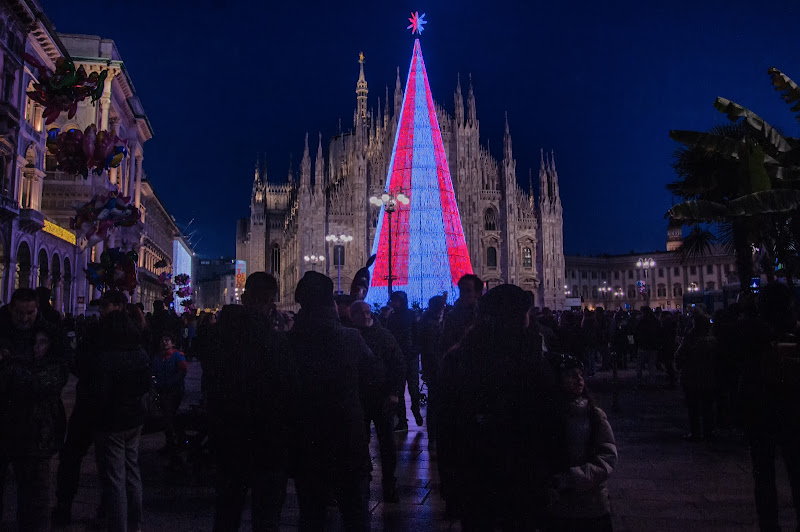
252	404
461	318
119	376
430	340
380	405
336	368
770	380
402	326
493	418
46	310
33	371
696	359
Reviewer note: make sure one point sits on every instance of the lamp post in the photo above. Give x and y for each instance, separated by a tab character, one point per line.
389	203
645	265
313	259
339	239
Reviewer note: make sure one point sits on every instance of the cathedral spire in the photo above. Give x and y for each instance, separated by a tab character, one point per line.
544	180
319	169
305	167
386	108
291	173
554	178
257	176
530	187
398	95
472	115
507	153
361	90
459	99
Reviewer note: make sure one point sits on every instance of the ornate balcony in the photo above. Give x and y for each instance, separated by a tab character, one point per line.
31	220
8	208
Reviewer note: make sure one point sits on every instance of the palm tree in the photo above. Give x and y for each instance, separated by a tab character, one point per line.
739	186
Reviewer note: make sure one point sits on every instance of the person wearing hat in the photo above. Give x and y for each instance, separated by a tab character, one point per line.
252	395
582	457
336	369
492	418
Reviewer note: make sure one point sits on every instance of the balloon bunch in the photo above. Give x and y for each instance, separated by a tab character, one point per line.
188	305
182	279
94	219
184	291
642	286
63	89
79	152
167	288
115	271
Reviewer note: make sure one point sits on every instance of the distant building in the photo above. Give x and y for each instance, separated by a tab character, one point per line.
656	278
214	282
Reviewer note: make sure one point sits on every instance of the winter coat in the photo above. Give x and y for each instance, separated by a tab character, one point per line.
253	390
585	457
118	375
335	368
456	324
383	345
648	333
493	421
32	417
430	338
696	361
401	323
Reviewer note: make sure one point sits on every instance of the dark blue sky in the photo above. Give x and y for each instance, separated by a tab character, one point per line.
601	83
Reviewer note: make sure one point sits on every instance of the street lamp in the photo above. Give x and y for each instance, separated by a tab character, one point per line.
567	292
389	203
339	239
313	259
645	264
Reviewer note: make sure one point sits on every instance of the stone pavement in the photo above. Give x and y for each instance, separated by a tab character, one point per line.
662	483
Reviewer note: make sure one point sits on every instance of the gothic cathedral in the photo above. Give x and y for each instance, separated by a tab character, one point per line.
511	238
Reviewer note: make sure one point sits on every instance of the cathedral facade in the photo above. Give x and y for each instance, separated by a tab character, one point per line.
511	237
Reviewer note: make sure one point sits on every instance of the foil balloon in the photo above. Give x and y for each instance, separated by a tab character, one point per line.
184	291
61	90
182	279
116	270
81	152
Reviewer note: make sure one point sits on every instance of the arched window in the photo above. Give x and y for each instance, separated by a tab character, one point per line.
574	291
527	258
44	268
594	292
490	219
491	257
710	285
677	290
23	278
67	285
5	187
631	292
661	291
275	260
585	291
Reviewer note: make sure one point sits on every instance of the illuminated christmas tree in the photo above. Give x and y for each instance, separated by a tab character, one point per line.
428	251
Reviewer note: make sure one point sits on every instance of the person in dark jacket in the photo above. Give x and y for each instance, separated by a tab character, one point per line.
696	360
430	339
80	429
648	342
252	402
33	372
381	406
401	323
493	418
119	376
770	380
336	368
460	319
46	310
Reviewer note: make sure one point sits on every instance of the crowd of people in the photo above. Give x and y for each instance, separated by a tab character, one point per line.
518	441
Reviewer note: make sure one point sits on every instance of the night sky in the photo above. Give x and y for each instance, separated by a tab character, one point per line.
601	83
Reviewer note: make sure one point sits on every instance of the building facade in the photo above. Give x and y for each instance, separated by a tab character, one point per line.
510	236
35	249
657	279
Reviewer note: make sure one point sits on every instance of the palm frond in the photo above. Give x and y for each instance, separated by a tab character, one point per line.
711	142
769	136
699	211
697	243
765	202
789	90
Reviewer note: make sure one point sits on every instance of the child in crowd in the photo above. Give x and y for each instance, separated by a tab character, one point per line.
585	455
169	372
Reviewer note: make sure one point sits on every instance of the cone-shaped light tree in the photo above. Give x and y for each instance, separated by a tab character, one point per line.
428	251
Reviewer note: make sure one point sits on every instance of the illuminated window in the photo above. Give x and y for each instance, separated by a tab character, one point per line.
527	258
